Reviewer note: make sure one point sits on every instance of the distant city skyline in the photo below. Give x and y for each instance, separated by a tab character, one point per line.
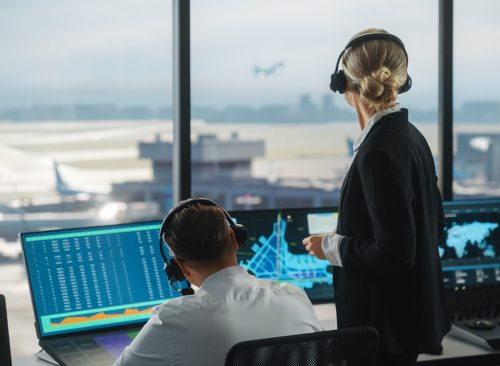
305	109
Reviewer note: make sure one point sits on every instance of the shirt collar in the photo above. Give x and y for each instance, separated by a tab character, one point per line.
223	273
371	122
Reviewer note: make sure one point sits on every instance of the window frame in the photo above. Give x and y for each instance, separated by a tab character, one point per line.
182	100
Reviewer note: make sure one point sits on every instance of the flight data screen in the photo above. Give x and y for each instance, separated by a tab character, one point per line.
274	249
97	277
470	251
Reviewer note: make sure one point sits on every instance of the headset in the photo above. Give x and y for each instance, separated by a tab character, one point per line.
171	268
338	80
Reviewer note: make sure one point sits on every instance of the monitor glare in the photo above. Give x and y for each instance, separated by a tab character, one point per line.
470	251
274	249
90	278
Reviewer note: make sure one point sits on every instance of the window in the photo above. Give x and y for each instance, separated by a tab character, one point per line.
266	130
84	84
476	170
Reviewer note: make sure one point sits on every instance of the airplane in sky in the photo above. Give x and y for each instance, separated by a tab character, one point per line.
260	71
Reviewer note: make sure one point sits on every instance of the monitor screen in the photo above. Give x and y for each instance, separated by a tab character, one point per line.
470	251
98	277
274	249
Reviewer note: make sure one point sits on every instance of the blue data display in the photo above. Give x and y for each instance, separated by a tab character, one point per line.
275	251
95	277
470	251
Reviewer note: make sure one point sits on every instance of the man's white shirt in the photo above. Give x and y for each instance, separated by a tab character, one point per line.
230	307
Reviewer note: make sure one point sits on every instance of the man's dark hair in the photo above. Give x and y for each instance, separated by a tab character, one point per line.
199	233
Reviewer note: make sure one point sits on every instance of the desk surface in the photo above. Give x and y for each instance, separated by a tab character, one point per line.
455	351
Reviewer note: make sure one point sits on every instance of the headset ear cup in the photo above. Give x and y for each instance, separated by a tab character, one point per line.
342	82
173	272
406	86
338	82
241	234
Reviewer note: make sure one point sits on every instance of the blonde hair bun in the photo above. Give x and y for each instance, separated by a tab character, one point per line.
379	87
376	69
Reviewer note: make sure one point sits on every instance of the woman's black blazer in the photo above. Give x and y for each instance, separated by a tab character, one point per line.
391	214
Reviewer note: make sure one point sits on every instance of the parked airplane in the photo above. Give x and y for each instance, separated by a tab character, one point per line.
64	190
72	208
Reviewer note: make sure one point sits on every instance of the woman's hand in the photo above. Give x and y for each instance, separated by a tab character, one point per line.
313	246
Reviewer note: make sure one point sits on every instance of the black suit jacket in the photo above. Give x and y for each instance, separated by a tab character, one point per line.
391	214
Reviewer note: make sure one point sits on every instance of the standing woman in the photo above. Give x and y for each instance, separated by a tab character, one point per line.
385	249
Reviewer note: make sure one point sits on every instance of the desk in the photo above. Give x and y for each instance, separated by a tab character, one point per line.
460	353
28	361
455	351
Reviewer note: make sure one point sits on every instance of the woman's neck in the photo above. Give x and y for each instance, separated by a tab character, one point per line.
363	112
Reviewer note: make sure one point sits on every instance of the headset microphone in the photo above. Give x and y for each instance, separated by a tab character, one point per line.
174	273
338	79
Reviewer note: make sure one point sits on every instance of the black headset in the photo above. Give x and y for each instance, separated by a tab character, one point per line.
338	80
171	268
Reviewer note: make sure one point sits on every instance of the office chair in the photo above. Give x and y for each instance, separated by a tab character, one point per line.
343	347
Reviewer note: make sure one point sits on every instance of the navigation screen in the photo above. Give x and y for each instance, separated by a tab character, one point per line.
470	253
274	249
97	277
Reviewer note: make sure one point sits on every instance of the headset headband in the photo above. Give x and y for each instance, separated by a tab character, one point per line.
184	204
336	79
172	270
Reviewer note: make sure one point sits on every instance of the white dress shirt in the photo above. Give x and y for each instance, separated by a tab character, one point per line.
231	306
330	243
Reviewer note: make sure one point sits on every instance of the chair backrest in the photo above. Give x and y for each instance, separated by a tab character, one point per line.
344	347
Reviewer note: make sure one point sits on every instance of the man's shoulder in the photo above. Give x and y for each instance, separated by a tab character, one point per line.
259	288
179	305
286	291
283	287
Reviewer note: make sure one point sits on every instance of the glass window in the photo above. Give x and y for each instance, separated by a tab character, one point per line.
266	130
476	170
84	84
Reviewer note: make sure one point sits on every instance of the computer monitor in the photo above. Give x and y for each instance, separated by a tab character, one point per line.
274	249
91	278
470	251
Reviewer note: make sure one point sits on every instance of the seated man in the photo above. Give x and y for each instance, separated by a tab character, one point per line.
230	306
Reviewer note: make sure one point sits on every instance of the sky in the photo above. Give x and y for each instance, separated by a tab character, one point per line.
110	51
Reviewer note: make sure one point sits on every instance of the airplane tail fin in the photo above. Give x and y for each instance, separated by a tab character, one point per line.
350	147
61	186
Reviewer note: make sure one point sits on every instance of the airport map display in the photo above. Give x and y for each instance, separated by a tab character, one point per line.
97	277
470	251
275	251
